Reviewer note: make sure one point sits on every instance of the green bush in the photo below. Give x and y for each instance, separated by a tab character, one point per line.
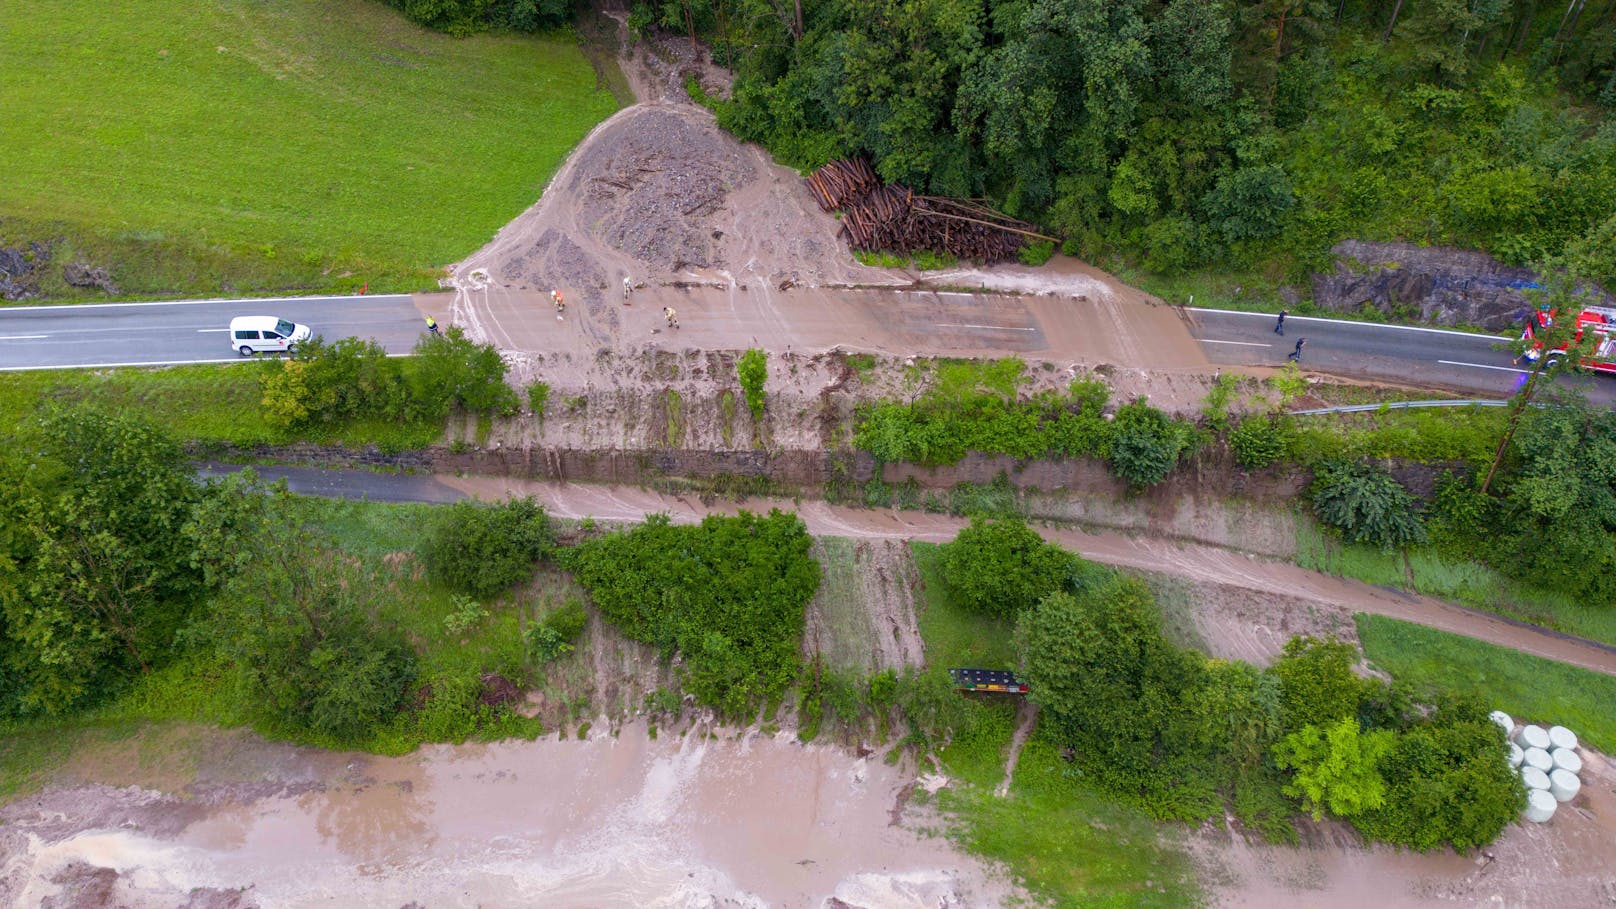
1146	444
1036	252
538	395
1258	441
1317	684
450	370
1365	505
1335	768
1154	723
729	594
753	369
1002	567
301	629
1447	782
482	550
335	382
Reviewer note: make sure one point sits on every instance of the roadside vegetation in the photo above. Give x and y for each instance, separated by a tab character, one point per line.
347	392
256	152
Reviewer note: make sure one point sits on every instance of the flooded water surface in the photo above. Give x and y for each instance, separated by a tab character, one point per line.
630	821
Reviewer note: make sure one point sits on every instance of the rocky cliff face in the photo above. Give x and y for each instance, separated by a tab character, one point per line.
1437	284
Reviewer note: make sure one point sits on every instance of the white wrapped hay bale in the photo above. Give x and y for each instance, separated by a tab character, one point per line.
1566	759
1516	755
1540	806
1535	779
1564	785
1561	737
1534	737
1537	757
1504	722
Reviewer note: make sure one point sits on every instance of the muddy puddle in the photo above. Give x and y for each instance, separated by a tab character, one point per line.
679	821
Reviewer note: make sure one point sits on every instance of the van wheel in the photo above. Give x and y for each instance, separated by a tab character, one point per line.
244	350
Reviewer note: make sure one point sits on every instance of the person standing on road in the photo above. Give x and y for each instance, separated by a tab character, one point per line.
1279	326
555	297
628	287
671	316
431	326
1296	355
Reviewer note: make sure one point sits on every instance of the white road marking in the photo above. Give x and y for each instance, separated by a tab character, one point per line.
952	293
990	327
204	330
235	359
21	337
1241	343
1485	366
1270	316
73	307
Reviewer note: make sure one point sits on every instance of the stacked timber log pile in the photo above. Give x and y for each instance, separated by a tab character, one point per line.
890	217
841	182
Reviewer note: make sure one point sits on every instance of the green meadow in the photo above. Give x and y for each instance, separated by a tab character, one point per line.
219	146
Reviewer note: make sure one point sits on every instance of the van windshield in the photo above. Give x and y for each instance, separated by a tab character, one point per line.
285	328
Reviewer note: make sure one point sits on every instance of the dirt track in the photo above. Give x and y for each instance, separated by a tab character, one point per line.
1283	586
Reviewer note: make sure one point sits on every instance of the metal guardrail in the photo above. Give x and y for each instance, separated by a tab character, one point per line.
1396	405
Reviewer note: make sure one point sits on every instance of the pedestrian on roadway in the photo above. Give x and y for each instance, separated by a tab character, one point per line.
1296	355
628	287
1279	327
555	297
671	316
432	326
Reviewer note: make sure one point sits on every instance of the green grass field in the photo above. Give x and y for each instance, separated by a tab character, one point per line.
1068	844
201	146
1528	688
1469	583
202	403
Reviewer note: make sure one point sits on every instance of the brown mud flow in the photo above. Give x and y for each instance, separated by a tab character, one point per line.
688	820
660	195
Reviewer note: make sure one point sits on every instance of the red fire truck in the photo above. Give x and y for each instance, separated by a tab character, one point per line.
1601	320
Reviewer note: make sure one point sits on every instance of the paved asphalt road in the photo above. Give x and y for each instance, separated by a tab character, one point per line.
1460	361
142	334
348	484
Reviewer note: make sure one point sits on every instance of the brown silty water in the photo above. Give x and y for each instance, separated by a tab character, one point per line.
692	820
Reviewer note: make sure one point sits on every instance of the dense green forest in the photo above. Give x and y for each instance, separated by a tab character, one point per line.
1191	133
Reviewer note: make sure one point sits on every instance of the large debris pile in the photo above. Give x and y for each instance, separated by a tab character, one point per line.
878	217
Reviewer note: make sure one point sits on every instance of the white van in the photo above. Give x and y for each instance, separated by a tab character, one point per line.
253	334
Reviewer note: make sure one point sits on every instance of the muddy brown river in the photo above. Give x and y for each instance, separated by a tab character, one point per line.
693	820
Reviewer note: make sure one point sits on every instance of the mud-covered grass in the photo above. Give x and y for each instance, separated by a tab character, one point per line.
1068	844
1529	688
839	615
273	147
207	403
1474	585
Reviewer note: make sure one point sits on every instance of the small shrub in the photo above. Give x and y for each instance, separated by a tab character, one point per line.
450	370
1002	567
1289	382
467	612
482	549
1215	408
538	395
753	370
926	260
1037	252
1258	441
1146	444
1365	505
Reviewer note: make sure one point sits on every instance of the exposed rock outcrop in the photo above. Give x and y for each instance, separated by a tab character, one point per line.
1435	284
